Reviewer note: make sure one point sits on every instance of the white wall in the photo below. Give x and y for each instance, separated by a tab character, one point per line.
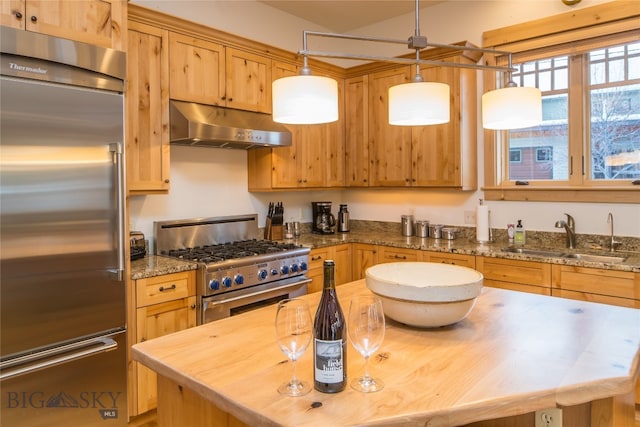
212	182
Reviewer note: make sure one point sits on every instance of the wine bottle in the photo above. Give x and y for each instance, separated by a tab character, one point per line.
329	338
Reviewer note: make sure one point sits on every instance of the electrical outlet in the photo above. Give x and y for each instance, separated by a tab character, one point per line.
551	417
469	217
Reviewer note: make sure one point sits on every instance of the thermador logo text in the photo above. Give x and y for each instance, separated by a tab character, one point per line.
14	66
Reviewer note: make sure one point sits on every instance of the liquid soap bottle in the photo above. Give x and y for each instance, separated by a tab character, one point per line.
329	338
519	237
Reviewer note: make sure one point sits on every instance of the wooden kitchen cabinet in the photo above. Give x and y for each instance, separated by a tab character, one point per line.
315	159
450	258
613	287
425	156
207	72
393	254
163	305
340	254
515	275
357	131
97	22
363	257
147	109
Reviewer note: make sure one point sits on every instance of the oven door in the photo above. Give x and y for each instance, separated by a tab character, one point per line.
229	304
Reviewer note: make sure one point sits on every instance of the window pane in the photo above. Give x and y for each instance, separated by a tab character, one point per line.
615	133
543	150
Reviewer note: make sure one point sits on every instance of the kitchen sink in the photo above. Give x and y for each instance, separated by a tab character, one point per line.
607	259
534	252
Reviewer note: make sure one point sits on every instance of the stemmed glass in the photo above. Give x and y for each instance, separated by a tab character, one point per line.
366	332
294	329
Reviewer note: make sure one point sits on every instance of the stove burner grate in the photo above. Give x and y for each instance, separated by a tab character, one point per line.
232	250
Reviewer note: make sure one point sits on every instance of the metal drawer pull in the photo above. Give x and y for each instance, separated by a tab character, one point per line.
401	257
162	288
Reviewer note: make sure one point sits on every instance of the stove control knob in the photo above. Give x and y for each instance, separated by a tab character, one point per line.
303	266
274	271
239	279
226	282
294	268
262	274
284	269
214	284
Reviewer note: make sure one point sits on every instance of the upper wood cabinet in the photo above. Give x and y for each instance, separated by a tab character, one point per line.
315	158
356	94
97	22
424	156
147	109
209	73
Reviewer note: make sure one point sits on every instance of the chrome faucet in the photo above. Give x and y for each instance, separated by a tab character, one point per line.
570	228
612	242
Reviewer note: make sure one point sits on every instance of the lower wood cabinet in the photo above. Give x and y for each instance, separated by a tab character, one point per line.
363	257
391	254
449	258
515	275
163	305
340	254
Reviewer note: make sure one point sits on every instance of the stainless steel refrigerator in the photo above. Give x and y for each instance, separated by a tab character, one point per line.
62	246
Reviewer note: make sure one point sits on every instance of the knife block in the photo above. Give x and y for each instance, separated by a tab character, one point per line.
276	232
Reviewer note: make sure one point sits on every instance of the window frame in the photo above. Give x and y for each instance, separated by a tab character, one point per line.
568	33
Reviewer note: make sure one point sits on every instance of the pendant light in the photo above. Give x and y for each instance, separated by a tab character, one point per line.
308	99
305	99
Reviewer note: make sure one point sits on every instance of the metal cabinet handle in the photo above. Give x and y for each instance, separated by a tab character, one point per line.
316	258
18	15
162	288
400	257
34	18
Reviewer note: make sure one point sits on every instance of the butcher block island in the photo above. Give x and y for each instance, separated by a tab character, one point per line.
514	354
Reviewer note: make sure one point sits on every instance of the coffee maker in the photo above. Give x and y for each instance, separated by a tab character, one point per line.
323	220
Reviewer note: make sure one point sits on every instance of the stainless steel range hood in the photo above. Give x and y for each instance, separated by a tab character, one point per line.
210	126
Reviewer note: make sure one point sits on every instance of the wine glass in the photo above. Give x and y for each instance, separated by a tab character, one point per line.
294	329
366	331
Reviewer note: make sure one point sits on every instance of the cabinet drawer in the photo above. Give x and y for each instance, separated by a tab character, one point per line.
515	271
389	254
447	258
607	283
317	257
154	290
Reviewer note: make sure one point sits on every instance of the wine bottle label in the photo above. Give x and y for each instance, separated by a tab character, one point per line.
329	361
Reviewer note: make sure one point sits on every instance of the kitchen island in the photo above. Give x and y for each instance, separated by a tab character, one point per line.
514	354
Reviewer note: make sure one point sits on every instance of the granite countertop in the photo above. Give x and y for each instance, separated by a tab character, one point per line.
382	234
153	265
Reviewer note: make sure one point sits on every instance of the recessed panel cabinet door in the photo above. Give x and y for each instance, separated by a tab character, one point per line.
248	81
97	22
390	145
197	70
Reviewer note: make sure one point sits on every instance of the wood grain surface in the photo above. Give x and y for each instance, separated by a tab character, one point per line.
514	354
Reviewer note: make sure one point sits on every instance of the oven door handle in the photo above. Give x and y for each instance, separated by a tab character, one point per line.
265	291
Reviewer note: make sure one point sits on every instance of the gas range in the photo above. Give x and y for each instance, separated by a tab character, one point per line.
232	261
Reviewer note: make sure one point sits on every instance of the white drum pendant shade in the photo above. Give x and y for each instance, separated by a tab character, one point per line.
419	103
305	100
512	108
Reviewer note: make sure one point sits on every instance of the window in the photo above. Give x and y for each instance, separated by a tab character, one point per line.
589	138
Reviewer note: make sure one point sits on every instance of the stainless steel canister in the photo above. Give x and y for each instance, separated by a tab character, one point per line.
435	231
422	228
449	233
407	225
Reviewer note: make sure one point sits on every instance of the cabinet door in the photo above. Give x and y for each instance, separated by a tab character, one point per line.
12	13
197	70
155	321
97	22
390	145
342	256
357	131
147	104
364	256
445	155
248	81
332	139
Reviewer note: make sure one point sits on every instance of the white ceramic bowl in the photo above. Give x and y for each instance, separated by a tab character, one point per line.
425	294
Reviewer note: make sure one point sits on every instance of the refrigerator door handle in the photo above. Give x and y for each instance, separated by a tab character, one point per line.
58	356
116	148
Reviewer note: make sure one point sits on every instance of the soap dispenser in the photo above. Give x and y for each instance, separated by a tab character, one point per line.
519	237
